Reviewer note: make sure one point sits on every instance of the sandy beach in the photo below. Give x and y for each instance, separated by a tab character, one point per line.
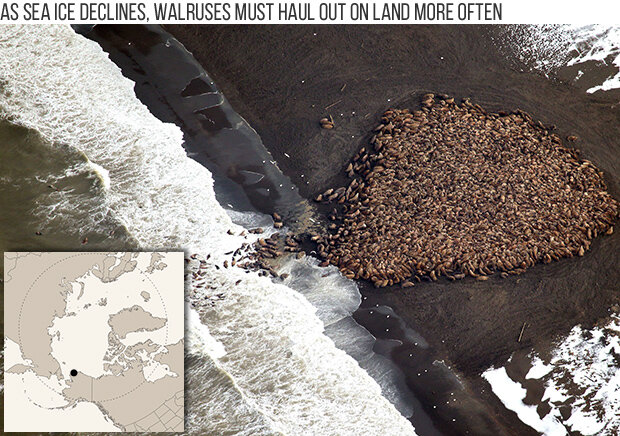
289	78
195	137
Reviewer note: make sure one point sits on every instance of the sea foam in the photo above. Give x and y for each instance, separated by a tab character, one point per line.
265	365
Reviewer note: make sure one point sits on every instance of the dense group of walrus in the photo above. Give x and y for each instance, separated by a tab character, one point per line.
254	256
446	190
453	190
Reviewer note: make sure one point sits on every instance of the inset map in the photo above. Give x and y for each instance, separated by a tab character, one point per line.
93	342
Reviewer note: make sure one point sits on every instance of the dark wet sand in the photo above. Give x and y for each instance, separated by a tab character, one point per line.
281	79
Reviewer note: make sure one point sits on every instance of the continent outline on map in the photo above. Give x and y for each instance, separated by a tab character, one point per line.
143	368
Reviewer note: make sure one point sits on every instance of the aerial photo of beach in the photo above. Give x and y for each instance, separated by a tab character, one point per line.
388	230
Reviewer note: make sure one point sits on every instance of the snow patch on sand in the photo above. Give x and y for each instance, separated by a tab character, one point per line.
582	374
551	46
512	394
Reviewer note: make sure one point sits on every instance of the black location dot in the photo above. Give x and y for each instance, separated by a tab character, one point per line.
73	372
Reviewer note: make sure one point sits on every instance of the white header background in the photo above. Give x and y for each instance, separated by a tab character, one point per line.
512	12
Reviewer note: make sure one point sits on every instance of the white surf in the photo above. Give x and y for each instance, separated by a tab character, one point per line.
263	364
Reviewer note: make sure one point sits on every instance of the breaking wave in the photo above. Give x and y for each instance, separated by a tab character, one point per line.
258	360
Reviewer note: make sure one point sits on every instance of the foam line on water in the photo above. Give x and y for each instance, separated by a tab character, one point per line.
277	361
290	353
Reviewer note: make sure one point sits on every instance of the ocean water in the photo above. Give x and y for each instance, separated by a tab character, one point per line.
98	165
591	52
39	191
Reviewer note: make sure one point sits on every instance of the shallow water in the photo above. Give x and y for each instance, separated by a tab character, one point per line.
473	324
91	183
177	90
269	367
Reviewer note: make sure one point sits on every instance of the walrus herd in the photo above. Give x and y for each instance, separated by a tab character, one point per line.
453	190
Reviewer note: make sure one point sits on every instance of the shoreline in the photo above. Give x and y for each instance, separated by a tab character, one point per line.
139	57
425	346
256	96
469	326
474	325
